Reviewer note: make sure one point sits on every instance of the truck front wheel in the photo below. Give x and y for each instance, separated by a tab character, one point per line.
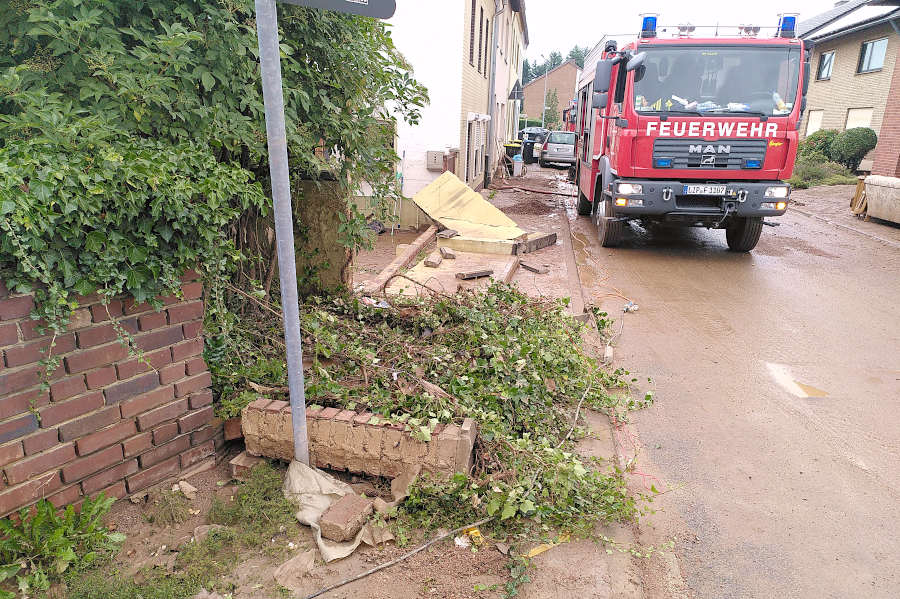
743	233
609	231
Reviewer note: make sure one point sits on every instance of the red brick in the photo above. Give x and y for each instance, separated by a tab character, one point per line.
148	401
192	290
131	306
25	469
192	329
89	424
201	435
66	388
40	441
30	353
131	388
11	453
9	334
195	419
190	275
16	307
79	319
107	477
65	497
194	455
67	410
164	452
185	350
19	380
155	320
185	312
171	373
195	366
83	467
157	360
164	433
99	311
327	414
148	420
153	475
200	399
361	418
97	379
96	336
18	427
13	405
33	329
259	404
276	406
106	437
95	357
137	444
29	492
159	338
187	386
345	416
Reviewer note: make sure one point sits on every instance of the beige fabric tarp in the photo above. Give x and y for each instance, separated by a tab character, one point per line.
457	206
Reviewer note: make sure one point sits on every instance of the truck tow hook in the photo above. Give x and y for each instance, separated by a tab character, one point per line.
667	194
742	196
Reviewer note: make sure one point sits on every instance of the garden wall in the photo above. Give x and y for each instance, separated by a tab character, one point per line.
109	422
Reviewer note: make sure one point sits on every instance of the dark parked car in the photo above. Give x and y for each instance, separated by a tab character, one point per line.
559	148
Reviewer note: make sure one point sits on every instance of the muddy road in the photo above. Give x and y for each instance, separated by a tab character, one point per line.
775	429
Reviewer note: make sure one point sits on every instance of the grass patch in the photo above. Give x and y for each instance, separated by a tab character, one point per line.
170	508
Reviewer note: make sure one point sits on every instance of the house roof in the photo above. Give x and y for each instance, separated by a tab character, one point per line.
847	17
571	60
519	7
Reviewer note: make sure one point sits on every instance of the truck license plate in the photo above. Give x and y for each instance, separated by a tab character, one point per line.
704	190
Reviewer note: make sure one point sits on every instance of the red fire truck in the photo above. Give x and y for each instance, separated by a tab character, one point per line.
569	117
691	131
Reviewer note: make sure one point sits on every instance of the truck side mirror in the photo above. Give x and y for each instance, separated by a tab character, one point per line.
636	61
602	75
600	100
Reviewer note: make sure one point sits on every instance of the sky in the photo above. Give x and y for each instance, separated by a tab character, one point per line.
561	24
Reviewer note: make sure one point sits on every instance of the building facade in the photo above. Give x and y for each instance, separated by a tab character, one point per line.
454	61
563	79
854	64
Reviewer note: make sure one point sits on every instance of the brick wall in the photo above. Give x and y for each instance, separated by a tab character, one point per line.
108	421
563	79
887	152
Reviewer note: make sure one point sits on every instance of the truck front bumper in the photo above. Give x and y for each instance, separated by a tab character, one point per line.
671	200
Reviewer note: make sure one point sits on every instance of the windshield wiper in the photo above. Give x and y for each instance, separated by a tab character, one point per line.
761	115
671	111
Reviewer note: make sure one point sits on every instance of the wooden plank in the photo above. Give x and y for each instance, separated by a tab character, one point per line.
541	269
474	274
447	253
506	247
535	241
509	269
402	261
433	260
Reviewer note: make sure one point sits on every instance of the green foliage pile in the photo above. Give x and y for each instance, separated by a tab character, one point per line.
818	143
852	145
132	134
512	363
815	169
44	545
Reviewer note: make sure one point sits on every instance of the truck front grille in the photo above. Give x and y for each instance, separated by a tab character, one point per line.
722	154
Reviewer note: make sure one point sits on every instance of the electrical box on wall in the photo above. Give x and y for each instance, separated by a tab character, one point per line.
434	161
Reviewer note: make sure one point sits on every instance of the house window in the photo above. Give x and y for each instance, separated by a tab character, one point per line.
814	122
826	61
858	117
871	56
480	38
487	46
472	36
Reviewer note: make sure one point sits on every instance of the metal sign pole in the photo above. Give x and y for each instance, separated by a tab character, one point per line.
270	63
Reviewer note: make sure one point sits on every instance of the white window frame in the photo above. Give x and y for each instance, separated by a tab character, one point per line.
822	56
809	120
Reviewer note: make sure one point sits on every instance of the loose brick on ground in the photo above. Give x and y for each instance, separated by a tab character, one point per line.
25	469
345	517
95	462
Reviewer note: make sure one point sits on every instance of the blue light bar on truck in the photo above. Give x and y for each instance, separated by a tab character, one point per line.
663	163
648	26
787	26
752	163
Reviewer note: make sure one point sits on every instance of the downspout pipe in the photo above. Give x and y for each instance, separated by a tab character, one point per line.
492	96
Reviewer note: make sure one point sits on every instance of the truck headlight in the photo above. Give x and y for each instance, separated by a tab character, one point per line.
777	192
630	188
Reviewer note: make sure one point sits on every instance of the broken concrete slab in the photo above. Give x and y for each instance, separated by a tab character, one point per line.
477	273
345	517
447	253
476	245
434	259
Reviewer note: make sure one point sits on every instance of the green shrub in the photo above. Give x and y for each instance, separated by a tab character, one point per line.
851	146
819	142
43	545
814	169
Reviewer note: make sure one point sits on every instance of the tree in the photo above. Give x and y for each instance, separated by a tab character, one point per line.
552	116
527	74
554	61
852	145
578	54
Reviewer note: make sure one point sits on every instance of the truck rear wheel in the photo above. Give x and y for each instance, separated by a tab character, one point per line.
584	207
743	233
609	231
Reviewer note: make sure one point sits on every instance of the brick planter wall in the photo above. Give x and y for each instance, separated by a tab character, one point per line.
109	422
345	440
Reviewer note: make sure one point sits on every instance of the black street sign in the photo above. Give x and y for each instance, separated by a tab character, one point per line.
379	9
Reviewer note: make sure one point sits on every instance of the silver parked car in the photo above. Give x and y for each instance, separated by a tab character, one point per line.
559	148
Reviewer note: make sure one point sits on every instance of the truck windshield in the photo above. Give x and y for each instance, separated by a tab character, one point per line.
710	80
